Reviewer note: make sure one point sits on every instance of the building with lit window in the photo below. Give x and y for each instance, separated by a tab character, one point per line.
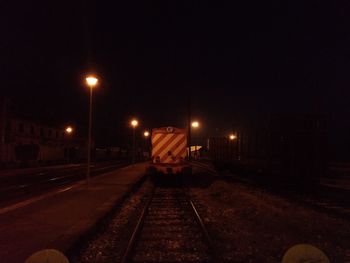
28	142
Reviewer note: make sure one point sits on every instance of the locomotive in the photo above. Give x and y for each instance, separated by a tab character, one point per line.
169	151
288	148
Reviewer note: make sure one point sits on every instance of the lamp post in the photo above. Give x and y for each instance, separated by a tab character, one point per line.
195	125
134	124
233	145
146	135
91	82
69	131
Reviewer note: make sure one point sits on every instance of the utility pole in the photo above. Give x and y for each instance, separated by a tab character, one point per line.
133	146
189	109
89	140
91	82
134	124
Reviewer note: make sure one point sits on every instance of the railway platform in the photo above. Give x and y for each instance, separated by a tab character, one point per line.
57	220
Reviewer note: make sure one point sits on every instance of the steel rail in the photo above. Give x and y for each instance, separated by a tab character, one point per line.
210	242
137	230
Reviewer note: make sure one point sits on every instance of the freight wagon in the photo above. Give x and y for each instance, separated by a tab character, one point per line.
291	147
169	151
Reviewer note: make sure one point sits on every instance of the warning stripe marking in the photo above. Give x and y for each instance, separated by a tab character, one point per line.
163	144
170	147
160	142
157	138
180	150
173	148
181	153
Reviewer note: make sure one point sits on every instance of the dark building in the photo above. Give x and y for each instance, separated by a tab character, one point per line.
25	141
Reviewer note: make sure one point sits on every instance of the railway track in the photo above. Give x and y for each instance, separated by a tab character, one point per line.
170	229
39	182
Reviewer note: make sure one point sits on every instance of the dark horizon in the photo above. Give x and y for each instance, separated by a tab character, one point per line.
236	60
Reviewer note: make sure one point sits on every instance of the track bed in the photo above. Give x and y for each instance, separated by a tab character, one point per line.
170	230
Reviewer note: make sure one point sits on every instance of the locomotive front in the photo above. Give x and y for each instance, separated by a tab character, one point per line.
169	151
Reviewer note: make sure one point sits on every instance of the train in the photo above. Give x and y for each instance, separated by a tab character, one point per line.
291	148
169	151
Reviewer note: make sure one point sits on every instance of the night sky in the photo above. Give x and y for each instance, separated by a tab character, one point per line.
234	59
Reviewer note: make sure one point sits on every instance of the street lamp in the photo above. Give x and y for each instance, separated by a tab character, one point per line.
232	137
69	131
91	82
134	124
195	125
146	135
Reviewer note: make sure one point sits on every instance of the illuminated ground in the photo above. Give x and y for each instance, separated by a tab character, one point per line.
251	225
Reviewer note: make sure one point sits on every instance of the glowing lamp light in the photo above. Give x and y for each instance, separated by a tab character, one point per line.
91	81
146	133
134	123
69	130
232	136
195	124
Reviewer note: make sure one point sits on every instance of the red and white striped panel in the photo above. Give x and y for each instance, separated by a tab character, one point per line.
169	147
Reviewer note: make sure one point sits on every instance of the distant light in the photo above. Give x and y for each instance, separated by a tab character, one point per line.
195	124
233	136
134	123
146	133
69	129
91	81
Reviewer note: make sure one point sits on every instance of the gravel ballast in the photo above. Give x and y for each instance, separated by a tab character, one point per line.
250	225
